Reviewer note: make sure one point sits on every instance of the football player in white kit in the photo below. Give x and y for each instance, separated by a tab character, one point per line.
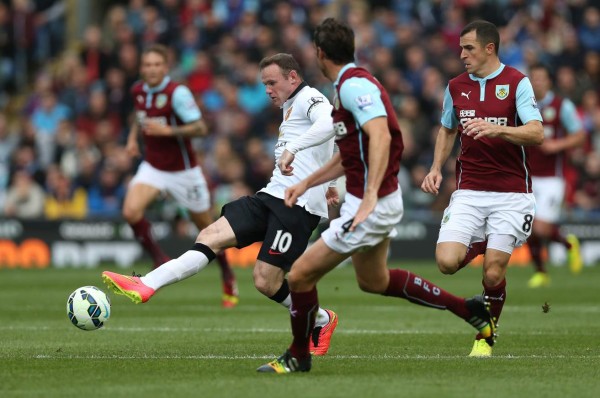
306	138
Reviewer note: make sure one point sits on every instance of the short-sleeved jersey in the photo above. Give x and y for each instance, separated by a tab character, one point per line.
300	111
172	104
359	97
560	119
506	98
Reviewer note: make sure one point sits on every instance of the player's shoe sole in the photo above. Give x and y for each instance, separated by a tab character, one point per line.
574	255
129	286
481	349
286	364
539	279
321	338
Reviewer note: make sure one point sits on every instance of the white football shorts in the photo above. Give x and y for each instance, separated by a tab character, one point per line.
549	196
378	226
472	216
187	187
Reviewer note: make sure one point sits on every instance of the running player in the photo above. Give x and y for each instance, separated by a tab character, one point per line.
493	110
563	131
167	118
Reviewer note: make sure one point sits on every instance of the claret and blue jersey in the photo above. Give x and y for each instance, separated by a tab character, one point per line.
360	98
505	98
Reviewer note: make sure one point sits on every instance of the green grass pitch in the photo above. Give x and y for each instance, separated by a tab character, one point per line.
182	343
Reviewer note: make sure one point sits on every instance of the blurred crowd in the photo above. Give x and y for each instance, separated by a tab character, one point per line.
62	132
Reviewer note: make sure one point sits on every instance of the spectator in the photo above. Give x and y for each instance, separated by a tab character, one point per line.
25	197
46	120
64	201
105	196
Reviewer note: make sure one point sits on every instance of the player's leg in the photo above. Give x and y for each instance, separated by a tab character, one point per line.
462	235
303	277
214	238
189	188
508	225
373	276
285	239
230	291
137	199
537	241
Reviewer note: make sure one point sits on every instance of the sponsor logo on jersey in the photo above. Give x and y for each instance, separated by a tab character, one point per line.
467	113
364	101
502	91
161	100
287	114
274	253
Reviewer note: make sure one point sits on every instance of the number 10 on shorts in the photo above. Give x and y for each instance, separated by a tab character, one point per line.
282	241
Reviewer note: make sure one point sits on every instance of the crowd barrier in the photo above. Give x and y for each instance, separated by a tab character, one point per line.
88	244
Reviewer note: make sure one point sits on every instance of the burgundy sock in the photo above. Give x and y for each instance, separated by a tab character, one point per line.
302	314
497	297
556	236
143	234
473	251
535	249
226	271
420	291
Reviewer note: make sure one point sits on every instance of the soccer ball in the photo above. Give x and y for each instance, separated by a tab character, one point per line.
88	308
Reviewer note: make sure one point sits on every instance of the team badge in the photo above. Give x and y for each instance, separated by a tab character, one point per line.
161	100
287	114
549	114
502	91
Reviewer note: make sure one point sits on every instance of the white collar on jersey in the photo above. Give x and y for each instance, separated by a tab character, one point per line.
490	76
342	71
156	89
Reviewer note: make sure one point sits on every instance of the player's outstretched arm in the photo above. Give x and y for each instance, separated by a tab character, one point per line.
443	147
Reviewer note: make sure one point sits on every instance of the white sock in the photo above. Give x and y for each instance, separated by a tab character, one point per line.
322	315
186	265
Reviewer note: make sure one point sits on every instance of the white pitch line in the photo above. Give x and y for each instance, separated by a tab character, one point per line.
335	357
167	329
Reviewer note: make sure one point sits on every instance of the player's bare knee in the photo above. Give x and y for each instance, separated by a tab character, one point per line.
262	285
447	265
132	215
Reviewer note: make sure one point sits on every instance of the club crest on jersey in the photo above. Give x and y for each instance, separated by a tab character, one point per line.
287	114
161	100
364	101
502	91
549	114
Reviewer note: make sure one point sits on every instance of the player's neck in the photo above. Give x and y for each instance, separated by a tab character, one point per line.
488	69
